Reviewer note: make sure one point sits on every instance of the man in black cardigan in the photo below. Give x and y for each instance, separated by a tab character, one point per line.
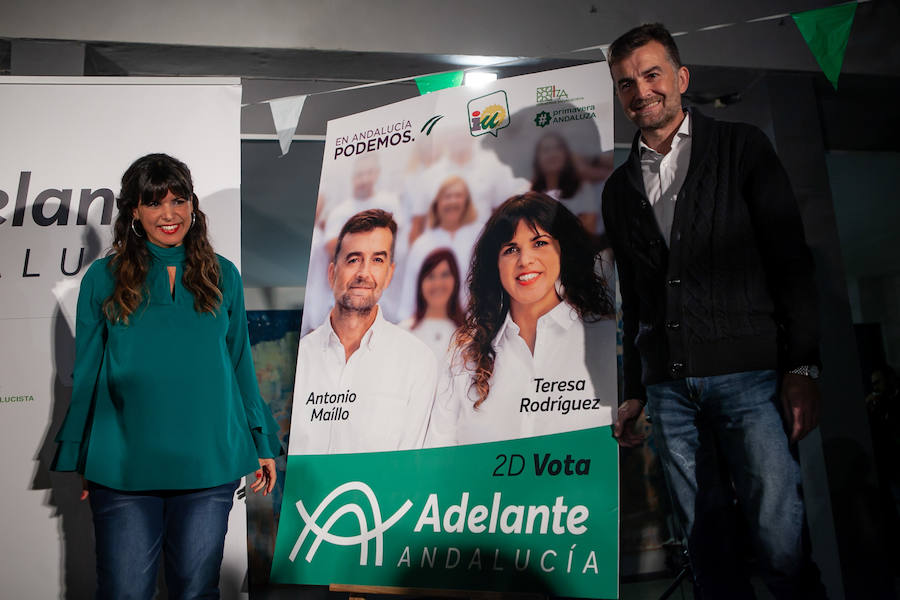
721	327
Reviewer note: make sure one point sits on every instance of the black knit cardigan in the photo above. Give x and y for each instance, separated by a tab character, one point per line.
735	289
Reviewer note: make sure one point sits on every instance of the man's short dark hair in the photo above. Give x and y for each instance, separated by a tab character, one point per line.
364	221
631	40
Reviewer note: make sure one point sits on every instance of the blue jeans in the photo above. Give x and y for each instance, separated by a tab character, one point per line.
721	439
132	527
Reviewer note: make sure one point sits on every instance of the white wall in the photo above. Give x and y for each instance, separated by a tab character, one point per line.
73	134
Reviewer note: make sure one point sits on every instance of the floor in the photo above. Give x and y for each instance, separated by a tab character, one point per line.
643	590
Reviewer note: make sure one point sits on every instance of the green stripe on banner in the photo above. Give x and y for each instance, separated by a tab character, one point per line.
440	81
530	515
826	31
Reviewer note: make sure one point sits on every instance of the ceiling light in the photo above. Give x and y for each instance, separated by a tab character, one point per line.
479	78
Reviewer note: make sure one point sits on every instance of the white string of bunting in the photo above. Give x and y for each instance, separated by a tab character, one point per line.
286	110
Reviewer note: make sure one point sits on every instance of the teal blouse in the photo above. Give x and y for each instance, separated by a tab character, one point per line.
170	400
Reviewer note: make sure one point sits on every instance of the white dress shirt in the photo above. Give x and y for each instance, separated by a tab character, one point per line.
520	402
379	399
664	175
434	333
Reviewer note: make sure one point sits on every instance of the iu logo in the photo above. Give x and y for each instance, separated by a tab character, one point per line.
488	114
365	534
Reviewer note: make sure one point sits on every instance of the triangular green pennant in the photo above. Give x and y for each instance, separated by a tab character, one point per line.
440	81
826	31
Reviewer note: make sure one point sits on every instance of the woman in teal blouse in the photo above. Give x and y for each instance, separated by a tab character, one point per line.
166	415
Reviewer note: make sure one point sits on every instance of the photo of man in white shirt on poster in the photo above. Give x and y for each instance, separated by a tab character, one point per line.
363	384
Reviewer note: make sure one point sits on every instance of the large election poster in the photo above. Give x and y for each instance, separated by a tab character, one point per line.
67	142
456	375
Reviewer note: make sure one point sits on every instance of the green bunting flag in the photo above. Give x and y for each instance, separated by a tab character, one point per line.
440	81
826	31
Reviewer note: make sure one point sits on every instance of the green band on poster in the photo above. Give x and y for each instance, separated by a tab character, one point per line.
826	31
440	81
529	515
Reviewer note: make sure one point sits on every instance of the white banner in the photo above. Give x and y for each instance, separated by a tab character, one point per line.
67	142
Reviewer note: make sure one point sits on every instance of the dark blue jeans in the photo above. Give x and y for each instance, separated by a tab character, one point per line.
733	475
132	527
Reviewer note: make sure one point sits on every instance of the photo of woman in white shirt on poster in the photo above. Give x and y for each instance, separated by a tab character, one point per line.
537	352
556	174
438	310
451	224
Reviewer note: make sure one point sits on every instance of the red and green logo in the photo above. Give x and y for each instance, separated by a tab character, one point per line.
488	114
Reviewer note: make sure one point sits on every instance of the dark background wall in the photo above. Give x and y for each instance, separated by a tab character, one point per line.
838	147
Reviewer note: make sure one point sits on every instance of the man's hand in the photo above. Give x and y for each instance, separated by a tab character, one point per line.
800	400
627	416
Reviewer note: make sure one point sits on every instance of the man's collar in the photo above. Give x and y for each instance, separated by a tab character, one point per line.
700	135
367	339
375	331
684	130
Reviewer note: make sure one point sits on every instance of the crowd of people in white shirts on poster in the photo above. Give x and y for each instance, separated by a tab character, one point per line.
447	191
440	197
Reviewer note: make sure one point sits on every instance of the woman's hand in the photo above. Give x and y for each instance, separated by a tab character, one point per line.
84	489
265	476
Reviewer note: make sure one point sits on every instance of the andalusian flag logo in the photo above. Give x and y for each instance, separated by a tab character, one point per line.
488	114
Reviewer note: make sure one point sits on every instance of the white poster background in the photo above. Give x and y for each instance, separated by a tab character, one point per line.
385	147
442	120
81	134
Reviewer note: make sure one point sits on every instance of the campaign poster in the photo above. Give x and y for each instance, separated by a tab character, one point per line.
456	372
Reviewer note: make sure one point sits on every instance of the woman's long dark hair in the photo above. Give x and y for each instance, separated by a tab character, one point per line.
569	181
149	179
431	262
583	288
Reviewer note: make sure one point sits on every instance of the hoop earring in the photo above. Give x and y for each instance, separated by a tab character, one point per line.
134	229
560	290
193	218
